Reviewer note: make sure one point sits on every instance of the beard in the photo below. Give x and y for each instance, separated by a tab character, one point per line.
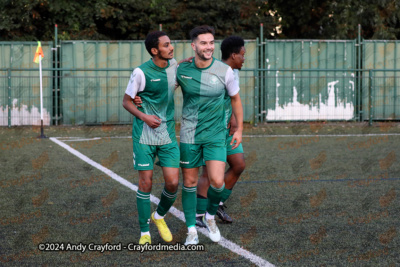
200	54
166	58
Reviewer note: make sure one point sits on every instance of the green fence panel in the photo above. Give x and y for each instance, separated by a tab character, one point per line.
20	84
308	80
382	55
92	96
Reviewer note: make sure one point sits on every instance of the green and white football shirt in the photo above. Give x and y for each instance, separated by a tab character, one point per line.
156	87
203	112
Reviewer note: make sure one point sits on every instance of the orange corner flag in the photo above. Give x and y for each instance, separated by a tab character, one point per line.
39	51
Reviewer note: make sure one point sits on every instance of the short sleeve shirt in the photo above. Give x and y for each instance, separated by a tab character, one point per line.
203	89
156	87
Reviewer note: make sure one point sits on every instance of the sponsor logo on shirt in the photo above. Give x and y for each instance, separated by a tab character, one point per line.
214	80
186	77
155	80
144	165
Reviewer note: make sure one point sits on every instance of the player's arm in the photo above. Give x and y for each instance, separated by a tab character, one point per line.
232	125
189	59
137	83
232	86
237	109
137	101
152	120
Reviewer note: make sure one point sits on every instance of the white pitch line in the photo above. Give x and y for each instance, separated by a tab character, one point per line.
177	213
253	136
322	135
79	140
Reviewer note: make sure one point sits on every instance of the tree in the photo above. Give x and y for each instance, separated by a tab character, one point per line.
338	19
129	20
134	19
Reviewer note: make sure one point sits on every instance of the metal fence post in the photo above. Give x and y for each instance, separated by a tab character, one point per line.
370	106
359	74
56	71
9	97
256	99
262	79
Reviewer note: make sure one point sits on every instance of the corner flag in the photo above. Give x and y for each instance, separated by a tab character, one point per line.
38	59
39	52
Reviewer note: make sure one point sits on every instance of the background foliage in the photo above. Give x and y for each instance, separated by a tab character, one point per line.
133	19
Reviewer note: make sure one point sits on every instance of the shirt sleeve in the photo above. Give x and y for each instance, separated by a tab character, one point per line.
136	84
232	83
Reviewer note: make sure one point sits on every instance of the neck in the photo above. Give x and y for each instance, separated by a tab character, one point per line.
229	63
162	63
200	63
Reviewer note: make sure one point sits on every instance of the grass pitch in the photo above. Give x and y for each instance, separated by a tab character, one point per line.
305	198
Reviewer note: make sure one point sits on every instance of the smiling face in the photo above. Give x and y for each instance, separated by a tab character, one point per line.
203	46
165	49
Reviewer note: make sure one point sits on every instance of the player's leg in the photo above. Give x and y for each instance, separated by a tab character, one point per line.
167	199
202	188
144	205
190	176
170	192
169	161
143	159
191	160
215	171
235	158
236	167
215	157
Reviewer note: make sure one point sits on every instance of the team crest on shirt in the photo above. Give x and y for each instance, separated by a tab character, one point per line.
214	80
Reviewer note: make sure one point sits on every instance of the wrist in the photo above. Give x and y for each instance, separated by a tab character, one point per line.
142	116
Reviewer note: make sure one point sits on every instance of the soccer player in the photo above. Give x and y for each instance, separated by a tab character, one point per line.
204	83
153	131
233	52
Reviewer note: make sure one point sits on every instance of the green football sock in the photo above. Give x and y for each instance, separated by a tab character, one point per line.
189	205
214	197
225	194
166	201
144	209
201	204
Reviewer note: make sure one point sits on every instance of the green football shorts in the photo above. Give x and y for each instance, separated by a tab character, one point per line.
144	155
192	155
229	150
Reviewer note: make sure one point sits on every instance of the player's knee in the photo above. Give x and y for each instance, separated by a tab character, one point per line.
239	167
172	186
218	184
145	185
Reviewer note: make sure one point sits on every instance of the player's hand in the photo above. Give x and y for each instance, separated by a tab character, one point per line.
152	120
189	59
232	126
232	129
236	139
137	101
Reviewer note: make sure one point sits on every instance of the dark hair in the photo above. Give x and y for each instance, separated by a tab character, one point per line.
231	44
201	30
152	40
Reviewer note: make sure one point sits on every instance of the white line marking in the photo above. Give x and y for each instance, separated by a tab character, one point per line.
255	136
78	140
177	213
322	135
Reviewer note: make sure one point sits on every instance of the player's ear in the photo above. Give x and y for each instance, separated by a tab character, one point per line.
193	46
154	51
